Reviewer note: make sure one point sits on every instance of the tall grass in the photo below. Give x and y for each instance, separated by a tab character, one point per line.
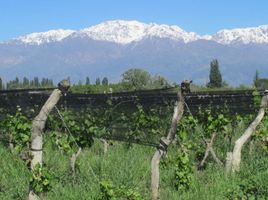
129	166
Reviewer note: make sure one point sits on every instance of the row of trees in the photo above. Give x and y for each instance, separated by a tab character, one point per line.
140	79
132	79
98	81
41	83
26	83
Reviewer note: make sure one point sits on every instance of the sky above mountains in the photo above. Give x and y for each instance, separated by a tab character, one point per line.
203	17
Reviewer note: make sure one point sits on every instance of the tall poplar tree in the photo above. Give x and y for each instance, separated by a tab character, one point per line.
1	84
104	81
215	78
87	81
98	82
256	79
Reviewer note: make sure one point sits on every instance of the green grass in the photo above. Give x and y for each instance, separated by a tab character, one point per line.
14	176
129	166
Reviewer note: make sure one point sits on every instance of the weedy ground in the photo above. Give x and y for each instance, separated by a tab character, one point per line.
128	166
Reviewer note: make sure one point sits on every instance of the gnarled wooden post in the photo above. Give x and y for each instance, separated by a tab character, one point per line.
209	149
235	157
39	124
165	142
73	161
105	145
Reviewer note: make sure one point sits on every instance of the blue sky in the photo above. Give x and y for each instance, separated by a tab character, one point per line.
18	17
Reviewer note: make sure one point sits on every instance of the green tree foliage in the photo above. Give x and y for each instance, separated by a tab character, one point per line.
104	81
1	84
45	82
159	82
26	82
17	80
36	82
215	78
262	83
136	79
87	81
256	78
32	84
13	84
98	82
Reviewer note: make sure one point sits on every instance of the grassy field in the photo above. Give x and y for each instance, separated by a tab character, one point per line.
128	166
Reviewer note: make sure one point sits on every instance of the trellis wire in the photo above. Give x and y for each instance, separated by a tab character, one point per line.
68	130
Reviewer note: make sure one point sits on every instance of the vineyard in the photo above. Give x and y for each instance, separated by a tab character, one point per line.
157	144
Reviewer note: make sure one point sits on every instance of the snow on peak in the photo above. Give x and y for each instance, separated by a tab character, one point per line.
115	31
118	31
44	37
125	32
206	37
242	35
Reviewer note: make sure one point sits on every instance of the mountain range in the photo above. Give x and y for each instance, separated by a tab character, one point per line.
110	48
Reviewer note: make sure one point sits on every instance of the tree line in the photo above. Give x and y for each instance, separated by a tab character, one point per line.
133	79
97	81
26	83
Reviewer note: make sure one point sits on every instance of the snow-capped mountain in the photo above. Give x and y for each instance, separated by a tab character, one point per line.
44	37
118	31
242	35
112	47
125	32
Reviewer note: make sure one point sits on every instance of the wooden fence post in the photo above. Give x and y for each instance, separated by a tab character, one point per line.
209	149
234	165
166	141
105	145
38	125
73	161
